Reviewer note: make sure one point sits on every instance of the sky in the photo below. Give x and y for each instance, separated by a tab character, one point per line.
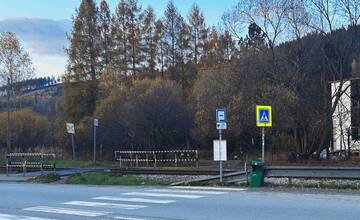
42	25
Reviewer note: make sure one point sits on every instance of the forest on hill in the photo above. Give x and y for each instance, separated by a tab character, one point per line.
154	81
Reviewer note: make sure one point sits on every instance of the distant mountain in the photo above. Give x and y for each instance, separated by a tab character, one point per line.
40	36
39	94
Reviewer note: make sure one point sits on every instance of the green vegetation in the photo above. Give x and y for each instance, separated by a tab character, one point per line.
29	128
110	179
82	163
46	178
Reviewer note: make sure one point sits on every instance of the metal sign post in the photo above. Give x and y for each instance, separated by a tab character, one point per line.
263	144
70	129
96	124
221	163
220	125
263	119
73	151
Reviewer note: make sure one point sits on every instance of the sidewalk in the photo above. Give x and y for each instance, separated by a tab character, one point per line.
14	177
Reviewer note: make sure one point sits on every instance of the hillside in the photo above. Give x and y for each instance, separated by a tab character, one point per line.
42	100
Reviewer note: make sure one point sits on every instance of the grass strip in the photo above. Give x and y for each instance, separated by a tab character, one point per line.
81	164
110	179
45	178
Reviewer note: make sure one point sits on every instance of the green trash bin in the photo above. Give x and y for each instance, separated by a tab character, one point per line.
257	173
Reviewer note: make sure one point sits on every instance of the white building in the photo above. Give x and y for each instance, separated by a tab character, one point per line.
346	118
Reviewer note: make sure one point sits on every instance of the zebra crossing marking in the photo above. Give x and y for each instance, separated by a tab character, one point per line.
163	195
188	191
208	188
66	211
140	200
20	217
104	204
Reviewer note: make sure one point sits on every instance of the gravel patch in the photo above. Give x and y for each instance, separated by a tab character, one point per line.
173	178
302	181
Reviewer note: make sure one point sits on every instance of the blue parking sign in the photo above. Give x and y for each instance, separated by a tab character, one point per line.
220	115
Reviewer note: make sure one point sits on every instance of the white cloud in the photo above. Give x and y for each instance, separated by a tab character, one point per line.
44	39
48	65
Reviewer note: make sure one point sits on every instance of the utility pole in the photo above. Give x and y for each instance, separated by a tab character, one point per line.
8	126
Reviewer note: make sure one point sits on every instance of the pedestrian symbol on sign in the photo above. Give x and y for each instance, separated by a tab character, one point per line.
264	116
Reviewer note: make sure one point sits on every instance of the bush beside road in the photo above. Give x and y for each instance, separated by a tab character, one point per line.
111	179
46	178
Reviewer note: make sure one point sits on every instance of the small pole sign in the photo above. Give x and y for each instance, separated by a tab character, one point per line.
263	119
219	150
70	128
96	122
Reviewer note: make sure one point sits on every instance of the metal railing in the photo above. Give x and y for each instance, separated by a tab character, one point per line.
30	160
153	158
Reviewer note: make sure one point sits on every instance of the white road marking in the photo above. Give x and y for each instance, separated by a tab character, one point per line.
18	217
188	191
66	211
208	188
104	204
163	195
127	218
141	200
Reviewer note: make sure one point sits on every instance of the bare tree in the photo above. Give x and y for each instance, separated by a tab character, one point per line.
297	18
15	66
324	14
269	15
351	9
15	62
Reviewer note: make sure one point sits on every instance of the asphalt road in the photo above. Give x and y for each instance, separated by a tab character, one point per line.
40	202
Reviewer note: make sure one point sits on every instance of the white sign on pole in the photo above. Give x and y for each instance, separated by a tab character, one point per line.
221	125
70	128
220	150
96	122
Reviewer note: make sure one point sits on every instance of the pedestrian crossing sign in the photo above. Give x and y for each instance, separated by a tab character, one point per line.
263	116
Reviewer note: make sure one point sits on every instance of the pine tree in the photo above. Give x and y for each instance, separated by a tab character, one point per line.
84	63
161	45
225	47
127	37
149	40
133	23
105	34
198	33
210	48
84	52
172	29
